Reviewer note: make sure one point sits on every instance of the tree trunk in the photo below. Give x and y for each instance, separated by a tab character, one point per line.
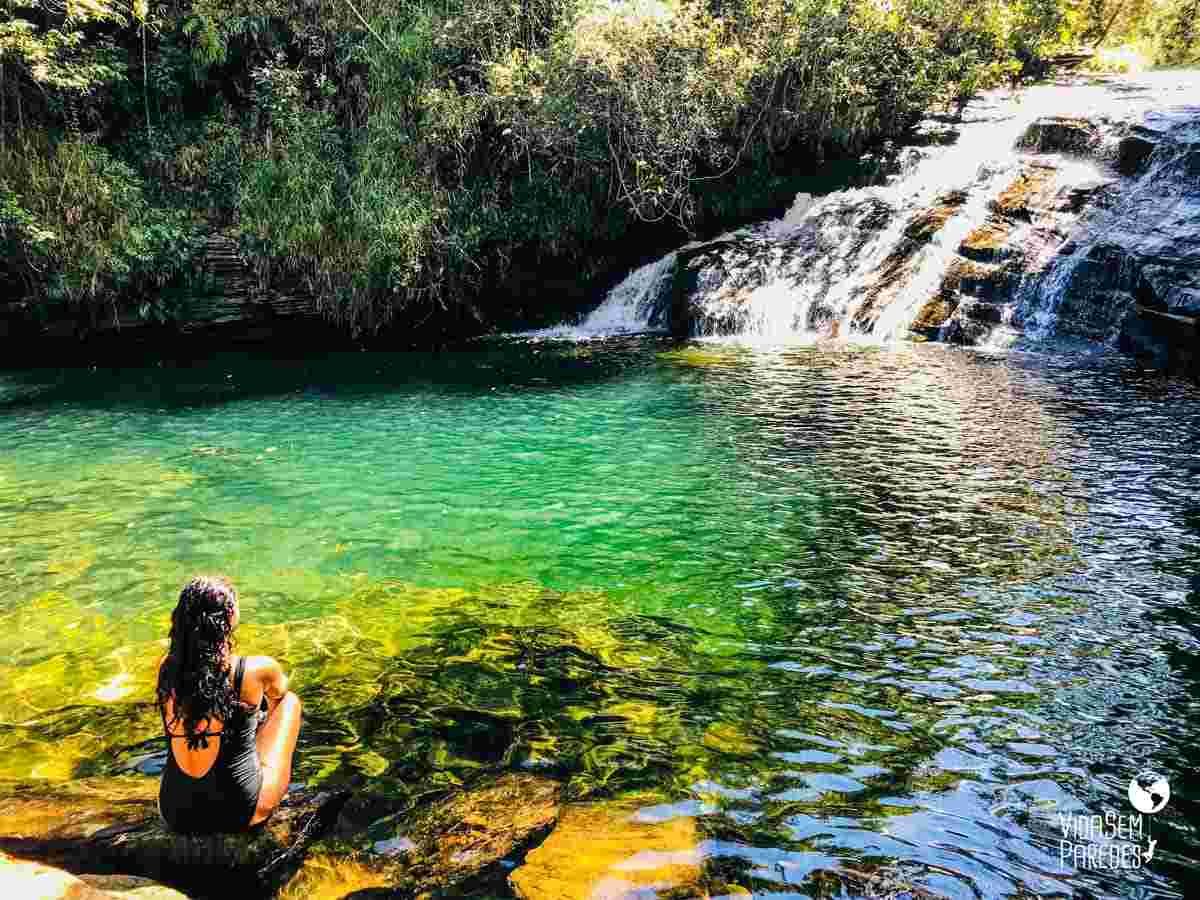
145	76
1111	22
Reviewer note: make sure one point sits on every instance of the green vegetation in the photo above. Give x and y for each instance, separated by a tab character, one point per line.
398	159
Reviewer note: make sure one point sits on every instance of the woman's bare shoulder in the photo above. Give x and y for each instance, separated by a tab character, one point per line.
262	665
266	672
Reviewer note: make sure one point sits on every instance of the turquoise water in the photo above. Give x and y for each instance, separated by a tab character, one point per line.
840	606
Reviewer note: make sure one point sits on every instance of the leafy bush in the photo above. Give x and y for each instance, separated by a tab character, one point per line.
76	227
397	157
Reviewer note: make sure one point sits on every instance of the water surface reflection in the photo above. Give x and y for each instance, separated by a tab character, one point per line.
769	612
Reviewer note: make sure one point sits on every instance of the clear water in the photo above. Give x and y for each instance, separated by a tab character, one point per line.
837	607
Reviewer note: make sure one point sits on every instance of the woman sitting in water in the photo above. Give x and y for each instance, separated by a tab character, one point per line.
221	774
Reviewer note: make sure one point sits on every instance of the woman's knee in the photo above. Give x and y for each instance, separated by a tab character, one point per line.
291	703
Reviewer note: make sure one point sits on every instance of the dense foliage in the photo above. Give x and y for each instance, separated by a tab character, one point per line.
398	158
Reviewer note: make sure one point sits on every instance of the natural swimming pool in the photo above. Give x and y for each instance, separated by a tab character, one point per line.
821	605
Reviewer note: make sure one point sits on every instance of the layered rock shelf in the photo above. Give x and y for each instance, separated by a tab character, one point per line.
113	826
101	839
230	297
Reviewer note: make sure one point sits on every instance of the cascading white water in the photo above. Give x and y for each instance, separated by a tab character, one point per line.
979	164
975	239
632	307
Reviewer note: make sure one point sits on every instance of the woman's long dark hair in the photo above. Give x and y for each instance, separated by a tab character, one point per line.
195	674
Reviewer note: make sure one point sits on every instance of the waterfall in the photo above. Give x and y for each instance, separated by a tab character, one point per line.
635	306
1000	225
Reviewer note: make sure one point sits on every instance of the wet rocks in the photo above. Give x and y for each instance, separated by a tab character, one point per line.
1134	149
609	850
1133	271
1027	222
720	286
1163	341
463	841
467	837
989	243
900	265
1030	191
112	825
1061	134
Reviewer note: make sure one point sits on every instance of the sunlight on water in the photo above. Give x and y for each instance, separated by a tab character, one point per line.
766	611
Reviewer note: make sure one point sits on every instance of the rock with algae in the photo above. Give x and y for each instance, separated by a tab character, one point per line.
446	847
113	825
608	850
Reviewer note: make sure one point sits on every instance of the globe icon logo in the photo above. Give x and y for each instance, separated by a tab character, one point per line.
1149	792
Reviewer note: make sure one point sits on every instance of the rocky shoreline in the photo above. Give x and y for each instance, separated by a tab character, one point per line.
101	834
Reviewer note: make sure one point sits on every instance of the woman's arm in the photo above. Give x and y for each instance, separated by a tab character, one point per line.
273	679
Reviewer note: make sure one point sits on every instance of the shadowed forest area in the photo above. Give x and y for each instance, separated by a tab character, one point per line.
401	161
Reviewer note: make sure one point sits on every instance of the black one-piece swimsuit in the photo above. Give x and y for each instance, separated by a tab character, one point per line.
224	798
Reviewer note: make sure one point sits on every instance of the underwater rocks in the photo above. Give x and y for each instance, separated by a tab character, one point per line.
461	838
460	843
607	850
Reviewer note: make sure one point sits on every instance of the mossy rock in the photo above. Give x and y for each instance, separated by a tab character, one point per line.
454	845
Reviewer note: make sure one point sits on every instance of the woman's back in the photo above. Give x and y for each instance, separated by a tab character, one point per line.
225	771
213	787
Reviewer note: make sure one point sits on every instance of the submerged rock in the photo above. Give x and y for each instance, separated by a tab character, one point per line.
459	839
608	850
621	850
461	842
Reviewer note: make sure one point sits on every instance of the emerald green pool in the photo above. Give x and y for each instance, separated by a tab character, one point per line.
839	605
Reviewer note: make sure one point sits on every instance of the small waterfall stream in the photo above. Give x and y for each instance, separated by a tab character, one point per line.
632	307
985	229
